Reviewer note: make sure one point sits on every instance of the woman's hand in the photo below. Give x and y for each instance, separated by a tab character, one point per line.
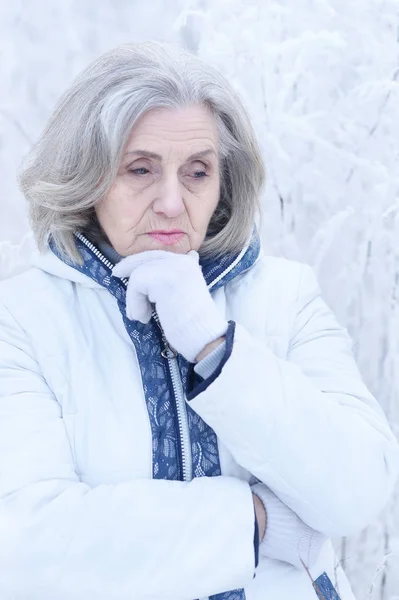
261	516
209	348
175	284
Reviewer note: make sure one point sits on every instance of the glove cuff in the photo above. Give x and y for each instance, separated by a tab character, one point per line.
287	537
195	335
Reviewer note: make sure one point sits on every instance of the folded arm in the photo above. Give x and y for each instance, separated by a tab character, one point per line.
60	536
287	537
304	425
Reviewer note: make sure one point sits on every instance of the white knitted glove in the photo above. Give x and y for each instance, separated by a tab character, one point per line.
175	283
287	537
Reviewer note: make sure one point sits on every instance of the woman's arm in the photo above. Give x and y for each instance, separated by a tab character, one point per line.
284	535
307	426
141	538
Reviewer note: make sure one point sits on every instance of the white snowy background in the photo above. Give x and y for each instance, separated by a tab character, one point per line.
321	81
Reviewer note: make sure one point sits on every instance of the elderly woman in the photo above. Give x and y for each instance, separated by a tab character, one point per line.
181	416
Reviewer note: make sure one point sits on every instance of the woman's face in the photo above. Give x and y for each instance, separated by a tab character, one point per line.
168	180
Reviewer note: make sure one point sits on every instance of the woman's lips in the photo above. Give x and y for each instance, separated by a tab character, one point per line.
167	238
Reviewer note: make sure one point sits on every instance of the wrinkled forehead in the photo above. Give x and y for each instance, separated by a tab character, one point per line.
175	134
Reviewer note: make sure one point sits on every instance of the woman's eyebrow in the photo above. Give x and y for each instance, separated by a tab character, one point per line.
148	154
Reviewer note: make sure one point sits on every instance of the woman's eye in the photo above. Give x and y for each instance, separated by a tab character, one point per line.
198	173
139	171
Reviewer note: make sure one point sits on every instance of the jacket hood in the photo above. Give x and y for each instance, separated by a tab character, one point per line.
95	272
54	265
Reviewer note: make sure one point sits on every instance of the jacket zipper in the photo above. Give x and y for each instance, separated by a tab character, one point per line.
170	355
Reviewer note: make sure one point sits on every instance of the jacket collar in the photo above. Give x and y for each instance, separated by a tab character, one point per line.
96	268
218	272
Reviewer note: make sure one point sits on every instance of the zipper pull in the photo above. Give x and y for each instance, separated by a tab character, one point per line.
166	350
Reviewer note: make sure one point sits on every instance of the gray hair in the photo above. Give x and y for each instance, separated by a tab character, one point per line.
75	161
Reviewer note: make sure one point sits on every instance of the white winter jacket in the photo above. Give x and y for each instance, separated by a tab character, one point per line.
82	516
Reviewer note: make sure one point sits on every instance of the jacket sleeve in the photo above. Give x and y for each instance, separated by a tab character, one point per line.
287	538
306	426
61	538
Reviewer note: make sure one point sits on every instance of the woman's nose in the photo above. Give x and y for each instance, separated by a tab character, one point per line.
169	200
